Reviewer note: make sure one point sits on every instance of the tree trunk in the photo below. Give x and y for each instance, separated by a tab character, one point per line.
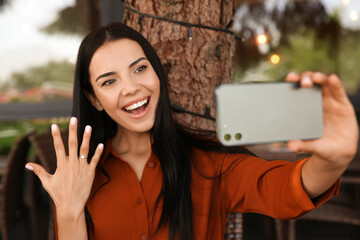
194	67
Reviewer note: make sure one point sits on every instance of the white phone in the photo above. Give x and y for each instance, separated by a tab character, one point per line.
256	113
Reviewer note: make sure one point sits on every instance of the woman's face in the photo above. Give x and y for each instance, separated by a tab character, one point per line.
125	85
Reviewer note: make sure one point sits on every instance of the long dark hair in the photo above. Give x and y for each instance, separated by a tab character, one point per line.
172	142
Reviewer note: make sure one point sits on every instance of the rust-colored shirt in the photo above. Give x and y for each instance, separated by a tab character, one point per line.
123	208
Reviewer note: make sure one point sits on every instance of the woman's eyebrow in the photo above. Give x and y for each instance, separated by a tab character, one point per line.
104	75
112	73
136	61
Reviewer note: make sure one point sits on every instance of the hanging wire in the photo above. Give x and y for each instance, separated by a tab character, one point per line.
206	115
186	24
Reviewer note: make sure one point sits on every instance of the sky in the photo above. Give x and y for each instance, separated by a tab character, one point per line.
23	45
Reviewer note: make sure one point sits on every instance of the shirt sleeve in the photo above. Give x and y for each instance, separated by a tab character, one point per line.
272	188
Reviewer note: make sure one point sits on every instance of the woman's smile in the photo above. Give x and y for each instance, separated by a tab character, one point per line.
138	108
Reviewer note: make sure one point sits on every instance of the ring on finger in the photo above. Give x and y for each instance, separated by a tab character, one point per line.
83	157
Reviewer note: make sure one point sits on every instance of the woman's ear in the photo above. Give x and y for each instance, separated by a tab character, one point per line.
94	101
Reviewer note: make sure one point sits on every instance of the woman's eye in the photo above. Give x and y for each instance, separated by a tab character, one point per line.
108	82
140	69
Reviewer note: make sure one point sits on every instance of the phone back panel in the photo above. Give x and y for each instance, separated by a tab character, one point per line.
253	113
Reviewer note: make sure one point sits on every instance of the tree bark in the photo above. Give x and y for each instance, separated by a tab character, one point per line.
194	67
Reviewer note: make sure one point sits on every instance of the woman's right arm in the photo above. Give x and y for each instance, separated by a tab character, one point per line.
70	185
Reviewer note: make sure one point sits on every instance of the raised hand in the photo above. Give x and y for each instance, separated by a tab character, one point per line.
331	153
70	185
340	125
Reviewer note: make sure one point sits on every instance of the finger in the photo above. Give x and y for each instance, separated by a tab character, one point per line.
322	79
292	77
72	140
319	78
42	174
84	148
306	80
337	90
58	145
95	159
301	146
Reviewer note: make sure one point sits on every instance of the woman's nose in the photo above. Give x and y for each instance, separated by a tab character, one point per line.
129	87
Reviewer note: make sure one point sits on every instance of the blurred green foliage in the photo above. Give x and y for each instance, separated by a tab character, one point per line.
71	20
305	51
9	131
349	58
62	71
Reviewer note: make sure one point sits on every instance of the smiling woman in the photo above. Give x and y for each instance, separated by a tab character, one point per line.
143	175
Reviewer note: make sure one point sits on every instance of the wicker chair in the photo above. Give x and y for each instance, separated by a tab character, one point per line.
12	206
234	227
44	149
45	153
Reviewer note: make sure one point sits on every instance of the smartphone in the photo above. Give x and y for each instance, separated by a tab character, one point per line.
257	113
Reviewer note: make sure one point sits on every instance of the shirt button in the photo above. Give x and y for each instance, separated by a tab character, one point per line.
144	237
139	201
151	164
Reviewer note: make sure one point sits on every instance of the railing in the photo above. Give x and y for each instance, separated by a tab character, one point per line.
49	109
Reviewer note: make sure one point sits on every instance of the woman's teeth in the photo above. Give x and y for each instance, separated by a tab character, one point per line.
136	105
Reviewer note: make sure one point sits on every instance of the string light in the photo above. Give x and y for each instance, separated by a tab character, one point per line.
261	39
354	15
275	59
186	24
189	33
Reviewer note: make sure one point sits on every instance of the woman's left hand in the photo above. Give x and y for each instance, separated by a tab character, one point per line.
339	141
331	153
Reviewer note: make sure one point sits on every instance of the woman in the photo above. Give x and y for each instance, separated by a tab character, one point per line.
157	179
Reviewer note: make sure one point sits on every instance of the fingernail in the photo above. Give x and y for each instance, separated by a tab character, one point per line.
101	146
317	74
87	129
29	167
53	127
73	120
306	80
292	74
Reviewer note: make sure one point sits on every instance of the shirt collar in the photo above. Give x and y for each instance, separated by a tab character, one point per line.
109	150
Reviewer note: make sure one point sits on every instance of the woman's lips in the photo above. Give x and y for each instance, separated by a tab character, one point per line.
138	108
136	101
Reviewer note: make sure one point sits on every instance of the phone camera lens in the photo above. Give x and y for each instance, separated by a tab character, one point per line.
238	136
227	137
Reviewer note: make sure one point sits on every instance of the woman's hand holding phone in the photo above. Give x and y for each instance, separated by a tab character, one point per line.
331	153
339	141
